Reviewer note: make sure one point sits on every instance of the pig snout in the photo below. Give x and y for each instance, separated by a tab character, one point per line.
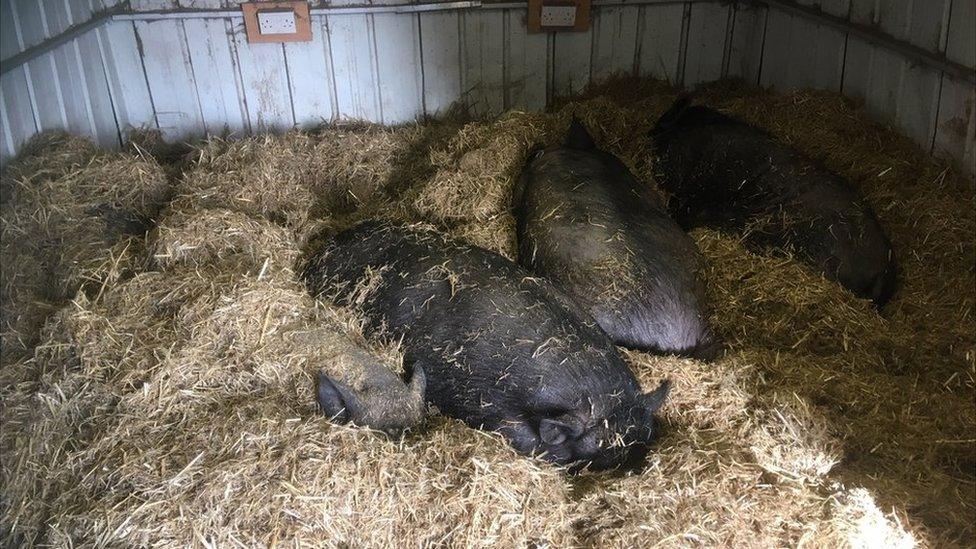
384	403
619	440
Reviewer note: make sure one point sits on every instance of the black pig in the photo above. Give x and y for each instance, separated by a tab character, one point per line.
502	350
728	175
585	223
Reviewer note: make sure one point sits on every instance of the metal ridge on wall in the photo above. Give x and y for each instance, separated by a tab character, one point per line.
935	60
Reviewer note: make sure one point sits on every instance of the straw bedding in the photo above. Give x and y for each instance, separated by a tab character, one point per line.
169	403
69	215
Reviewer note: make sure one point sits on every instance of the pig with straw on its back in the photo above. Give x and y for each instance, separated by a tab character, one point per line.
728	175
588	225
502	350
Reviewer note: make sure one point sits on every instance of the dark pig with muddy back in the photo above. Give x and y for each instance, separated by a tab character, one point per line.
600	235
731	176
502	350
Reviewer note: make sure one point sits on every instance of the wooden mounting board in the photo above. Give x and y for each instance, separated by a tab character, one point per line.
303	22
534	21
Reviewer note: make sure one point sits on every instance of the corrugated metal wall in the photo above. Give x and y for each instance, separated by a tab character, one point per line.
65	88
189	74
933	108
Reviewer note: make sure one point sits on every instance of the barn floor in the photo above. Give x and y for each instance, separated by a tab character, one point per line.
153	392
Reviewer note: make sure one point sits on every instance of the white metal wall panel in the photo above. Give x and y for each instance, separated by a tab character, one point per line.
571	62
216	75
955	133
482	61
441	55
895	90
801	53
192	75
126	77
17	121
746	43
659	36
401	83
310	77
919	100
169	72
354	66
26	21
92	72
526	64
614	41
706	50
264	79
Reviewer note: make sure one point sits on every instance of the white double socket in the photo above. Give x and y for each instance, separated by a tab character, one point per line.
558	16
276	22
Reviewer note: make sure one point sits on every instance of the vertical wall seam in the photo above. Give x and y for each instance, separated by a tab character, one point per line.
86	94
188	59
62	108
230	36
374	65
326	26
639	45
727	50
730	33
418	58
460	58
934	128
5	123
84	87
593	42
683	53
762	47
943	46
145	74
462	51
291	89
904	65
847	40
108	85
506	49
550	67
423	71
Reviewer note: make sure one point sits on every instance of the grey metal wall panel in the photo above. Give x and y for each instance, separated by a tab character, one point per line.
659	39
922	102
615	41
707	43
955	129
482	61
354	66
526	64
440	50
398	63
190	76
749	22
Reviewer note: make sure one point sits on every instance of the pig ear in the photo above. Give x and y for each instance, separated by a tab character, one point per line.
557	431
337	400
578	137
418	381
655	399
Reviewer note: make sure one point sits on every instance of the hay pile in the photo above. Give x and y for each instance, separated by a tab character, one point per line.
72	217
175	407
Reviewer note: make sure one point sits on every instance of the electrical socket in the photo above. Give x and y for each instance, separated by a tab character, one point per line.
558	16
276	22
